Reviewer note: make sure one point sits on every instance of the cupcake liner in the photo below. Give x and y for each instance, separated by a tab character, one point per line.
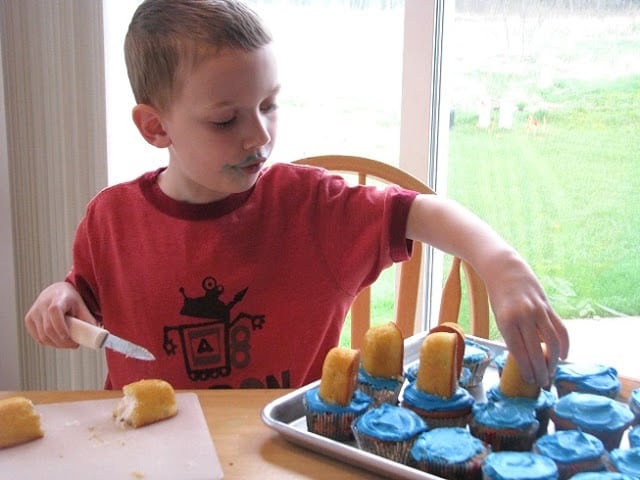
381	395
477	370
398	451
568	470
506	439
336	426
437	419
469	470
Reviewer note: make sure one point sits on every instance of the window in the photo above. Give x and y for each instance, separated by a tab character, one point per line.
542	106
340	68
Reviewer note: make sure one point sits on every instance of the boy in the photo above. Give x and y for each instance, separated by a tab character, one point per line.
235	274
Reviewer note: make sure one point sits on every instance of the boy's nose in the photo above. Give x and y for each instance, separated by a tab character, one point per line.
257	133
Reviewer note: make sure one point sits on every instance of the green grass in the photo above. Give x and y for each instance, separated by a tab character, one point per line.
565	195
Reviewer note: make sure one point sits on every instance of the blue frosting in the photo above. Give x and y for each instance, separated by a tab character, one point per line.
545	399
390	423
411	373
589	377
634	436
634	400
519	466
475	352
567	446
461	399
601	476
505	415
359	403
465	376
500	360
447	444
593	412
626	460
379	383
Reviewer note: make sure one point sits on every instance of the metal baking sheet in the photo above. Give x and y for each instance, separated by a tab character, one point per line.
286	415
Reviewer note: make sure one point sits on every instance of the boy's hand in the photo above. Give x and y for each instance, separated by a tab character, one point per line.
523	313
525	319
45	320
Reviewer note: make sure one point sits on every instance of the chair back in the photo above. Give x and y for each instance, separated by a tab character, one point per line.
409	274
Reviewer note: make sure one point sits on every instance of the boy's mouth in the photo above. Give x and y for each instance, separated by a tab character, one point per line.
251	164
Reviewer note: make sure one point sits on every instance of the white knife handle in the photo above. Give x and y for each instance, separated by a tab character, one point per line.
85	333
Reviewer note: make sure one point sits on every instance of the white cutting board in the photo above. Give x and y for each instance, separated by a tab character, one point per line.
81	440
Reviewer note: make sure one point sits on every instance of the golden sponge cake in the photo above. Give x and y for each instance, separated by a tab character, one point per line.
145	402
452	327
383	351
339	375
19	422
511	382
438	368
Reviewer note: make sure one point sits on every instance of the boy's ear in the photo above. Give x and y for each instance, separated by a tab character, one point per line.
149	123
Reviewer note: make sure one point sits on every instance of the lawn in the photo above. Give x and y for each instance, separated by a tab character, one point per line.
571	203
565	195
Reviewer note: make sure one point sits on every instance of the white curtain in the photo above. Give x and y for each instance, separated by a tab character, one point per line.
54	125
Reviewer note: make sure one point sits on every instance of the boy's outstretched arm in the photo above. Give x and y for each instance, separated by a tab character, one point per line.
45	320
522	310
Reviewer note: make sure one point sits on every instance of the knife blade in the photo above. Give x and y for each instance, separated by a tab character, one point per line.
96	337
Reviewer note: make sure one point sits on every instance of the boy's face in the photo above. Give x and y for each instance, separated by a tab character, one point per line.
221	126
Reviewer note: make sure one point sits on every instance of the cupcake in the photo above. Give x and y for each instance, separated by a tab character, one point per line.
388	431
601	476
540	405
598	415
634	405
332	420
518	466
587	378
380	374
633	436
573	451
331	407
435	394
454	411
512	387
477	358
451	453
504	425
626	461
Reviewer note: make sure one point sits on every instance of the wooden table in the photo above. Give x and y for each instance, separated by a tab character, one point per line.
246	447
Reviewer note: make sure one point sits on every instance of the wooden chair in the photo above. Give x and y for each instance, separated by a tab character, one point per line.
408	287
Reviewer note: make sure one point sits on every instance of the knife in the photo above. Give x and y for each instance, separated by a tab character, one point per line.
96	337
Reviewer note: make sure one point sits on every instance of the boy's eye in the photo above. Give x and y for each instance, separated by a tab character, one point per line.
223	124
270	107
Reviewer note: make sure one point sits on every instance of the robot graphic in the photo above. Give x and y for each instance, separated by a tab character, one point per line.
212	348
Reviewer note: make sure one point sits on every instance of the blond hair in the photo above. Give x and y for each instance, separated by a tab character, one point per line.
168	38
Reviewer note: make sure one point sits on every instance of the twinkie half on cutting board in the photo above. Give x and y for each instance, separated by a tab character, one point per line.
82	441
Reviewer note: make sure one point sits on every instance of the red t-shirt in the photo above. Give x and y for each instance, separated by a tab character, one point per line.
247	292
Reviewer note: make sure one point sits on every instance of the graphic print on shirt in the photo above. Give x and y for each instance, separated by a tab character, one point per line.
217	345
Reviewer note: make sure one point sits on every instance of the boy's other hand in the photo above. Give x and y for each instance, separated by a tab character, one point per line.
45	321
